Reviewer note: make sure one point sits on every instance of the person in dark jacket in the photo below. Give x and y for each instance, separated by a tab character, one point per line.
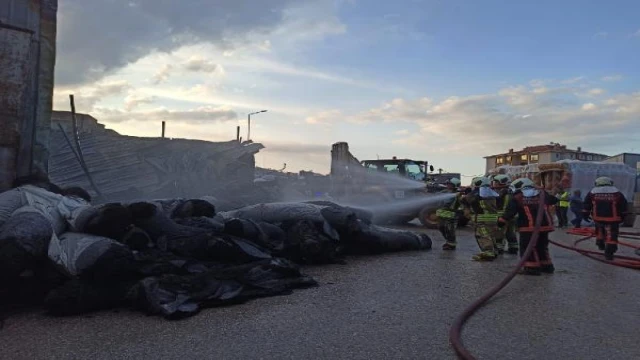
525	204
607	206
576	205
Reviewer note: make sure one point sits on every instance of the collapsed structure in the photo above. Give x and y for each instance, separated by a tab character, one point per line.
146	167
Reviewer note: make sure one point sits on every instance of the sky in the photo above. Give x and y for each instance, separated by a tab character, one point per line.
443	81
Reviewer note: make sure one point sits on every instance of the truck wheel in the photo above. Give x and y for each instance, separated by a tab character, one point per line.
428	218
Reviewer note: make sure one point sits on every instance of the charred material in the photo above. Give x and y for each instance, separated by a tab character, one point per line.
171	257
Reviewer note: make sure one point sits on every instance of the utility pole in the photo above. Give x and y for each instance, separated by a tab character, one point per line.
249	123
163	127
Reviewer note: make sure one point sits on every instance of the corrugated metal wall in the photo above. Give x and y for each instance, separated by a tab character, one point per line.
27	60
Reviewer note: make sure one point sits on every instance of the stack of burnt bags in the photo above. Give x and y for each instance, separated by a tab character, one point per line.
169	257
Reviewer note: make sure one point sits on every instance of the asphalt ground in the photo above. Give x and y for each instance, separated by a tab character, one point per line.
395	306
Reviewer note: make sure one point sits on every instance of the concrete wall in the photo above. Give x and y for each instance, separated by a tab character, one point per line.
27	59
490	164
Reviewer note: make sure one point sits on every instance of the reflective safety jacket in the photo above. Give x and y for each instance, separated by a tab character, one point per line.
525	205
450	211
503	200
484	209
564	200
605	204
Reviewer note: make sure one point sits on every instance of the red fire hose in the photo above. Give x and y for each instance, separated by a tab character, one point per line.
455	333
618	260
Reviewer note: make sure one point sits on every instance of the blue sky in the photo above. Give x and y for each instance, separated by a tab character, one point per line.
445	81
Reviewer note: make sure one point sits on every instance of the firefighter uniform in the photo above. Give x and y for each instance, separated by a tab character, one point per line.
482	202
448	216
508	232
525	204
607	206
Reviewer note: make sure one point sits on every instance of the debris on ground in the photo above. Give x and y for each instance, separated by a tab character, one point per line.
170	257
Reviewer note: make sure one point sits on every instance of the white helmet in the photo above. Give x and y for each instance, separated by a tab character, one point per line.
522	183
502	179
480	182
454	181
604	181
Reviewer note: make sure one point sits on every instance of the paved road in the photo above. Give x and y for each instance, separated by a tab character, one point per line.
396	306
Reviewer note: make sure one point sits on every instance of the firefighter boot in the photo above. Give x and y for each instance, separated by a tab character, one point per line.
449	246
609	250
548	269
484	256
600	244
533	271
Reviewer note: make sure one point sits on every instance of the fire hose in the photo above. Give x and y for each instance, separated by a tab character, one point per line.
455	333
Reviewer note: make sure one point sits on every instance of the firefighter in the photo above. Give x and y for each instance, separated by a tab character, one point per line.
482	202
525	204
448	215
501	183
607	206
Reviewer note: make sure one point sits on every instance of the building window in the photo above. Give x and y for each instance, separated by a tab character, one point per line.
589	157
557	156
534	157
509	159
523	157
499	161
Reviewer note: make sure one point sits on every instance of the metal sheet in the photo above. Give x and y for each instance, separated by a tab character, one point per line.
27	58
14	61
24	14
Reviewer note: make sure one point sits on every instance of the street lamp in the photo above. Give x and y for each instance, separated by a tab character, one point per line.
249	123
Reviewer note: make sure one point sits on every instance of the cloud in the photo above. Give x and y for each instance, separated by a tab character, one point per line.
201	115
601	35
86	97
612	78
134	100
636	34
402	132
574	80
515	115
596	91
325	118
163	74
198	64
87	50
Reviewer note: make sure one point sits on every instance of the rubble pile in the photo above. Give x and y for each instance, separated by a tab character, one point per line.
170	257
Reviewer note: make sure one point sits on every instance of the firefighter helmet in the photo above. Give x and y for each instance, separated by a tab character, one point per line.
480	181
604	181
522	183
454	182
502	179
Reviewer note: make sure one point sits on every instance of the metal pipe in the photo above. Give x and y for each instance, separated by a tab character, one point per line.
80	155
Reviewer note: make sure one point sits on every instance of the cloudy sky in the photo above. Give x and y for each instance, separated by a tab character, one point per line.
447	81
